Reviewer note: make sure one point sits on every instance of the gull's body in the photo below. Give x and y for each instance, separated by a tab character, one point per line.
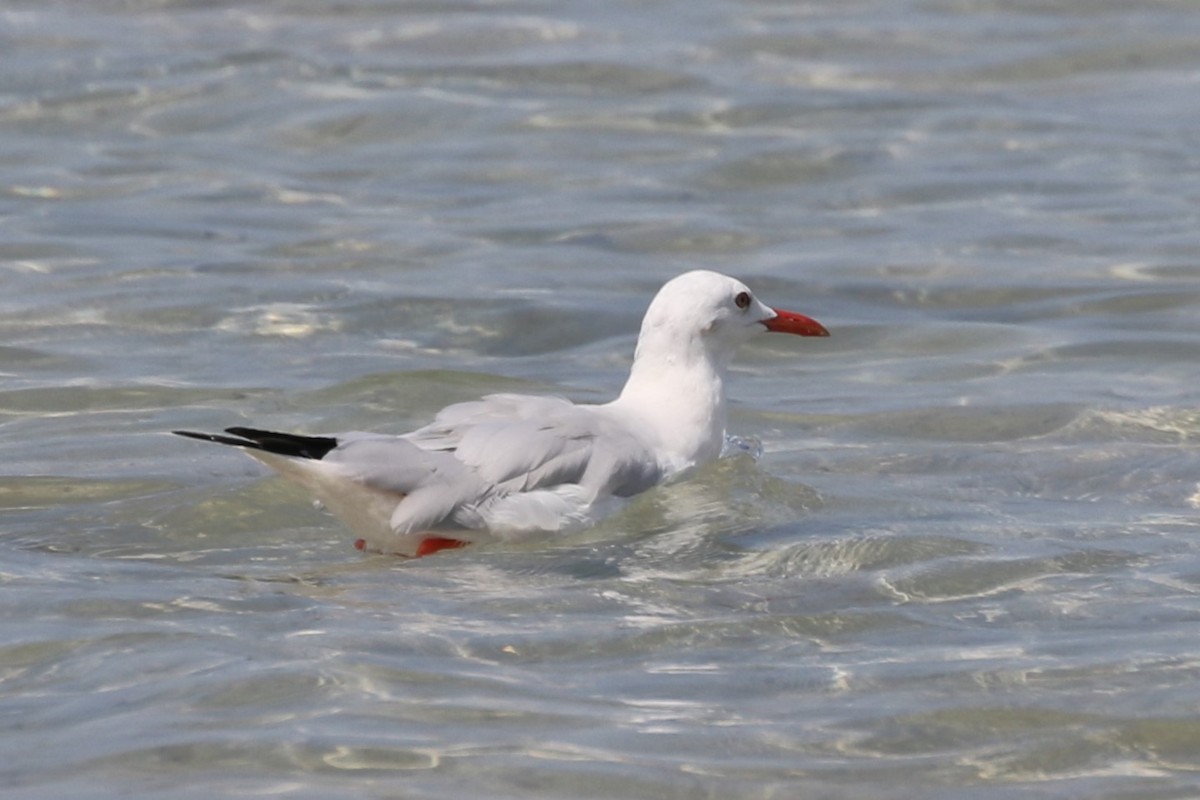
509	466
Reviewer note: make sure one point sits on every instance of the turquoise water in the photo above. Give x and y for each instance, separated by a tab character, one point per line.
965	565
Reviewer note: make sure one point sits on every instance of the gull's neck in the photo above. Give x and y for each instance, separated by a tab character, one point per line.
675	395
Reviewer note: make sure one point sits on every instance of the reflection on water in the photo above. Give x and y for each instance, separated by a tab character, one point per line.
952	550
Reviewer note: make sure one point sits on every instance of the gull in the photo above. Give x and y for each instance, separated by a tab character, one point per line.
512	466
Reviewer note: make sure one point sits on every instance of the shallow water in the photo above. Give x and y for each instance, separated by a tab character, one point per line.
966	564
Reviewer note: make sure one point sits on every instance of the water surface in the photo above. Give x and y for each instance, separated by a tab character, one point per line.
965	565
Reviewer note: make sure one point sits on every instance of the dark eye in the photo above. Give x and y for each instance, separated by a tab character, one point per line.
742	300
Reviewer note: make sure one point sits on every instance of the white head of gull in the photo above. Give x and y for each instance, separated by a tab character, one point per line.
511	466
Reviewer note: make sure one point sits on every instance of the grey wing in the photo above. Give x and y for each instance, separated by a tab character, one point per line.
428	487
455	421
499	445
523	443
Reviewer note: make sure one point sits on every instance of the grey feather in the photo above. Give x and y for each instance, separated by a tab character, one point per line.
524	443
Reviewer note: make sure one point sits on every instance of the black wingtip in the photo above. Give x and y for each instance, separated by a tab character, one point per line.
288	444
284	444
218	438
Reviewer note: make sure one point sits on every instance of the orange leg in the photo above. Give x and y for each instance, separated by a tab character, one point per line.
428	546
432	544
